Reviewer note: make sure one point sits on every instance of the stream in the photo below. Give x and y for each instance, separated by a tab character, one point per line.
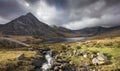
48	65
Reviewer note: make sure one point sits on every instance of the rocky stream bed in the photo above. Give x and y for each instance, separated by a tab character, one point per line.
46	61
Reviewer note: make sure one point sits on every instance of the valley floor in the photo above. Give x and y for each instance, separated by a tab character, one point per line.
78	54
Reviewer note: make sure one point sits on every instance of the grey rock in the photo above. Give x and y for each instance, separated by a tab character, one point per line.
100	59
60	61
74	51
56	64
56	68
38	62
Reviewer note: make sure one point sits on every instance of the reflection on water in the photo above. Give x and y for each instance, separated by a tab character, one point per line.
58	40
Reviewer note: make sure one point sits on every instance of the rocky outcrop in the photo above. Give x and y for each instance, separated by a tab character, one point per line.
61	65
100	59
46	61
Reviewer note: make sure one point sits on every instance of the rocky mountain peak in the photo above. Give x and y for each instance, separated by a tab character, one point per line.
29	15
28	25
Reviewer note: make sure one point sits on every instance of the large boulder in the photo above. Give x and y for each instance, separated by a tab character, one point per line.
38	62
95	61
100	59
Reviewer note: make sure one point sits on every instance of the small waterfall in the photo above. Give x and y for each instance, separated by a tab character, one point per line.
47	66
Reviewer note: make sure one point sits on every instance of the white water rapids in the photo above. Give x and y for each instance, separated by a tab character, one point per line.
46	66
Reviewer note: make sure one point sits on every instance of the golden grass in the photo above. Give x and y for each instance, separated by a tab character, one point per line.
96	45
9	62
6	54
109	46
106	40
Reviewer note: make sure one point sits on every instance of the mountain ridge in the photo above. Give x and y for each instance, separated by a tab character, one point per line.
93	31
28	25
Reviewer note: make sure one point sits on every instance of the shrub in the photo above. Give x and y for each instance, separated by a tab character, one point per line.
78	47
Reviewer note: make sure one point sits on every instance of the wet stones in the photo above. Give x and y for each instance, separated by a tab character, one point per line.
60	61
57	64
38	62
44	51
56	68
61	65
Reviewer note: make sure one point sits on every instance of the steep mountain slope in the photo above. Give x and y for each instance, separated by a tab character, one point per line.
62	29
66	32
93	31
112	33
28	25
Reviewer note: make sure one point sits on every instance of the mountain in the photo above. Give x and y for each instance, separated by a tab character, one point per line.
28	25
93	31
111	32
63	29
66	32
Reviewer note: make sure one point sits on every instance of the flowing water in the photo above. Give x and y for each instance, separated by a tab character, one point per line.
49	59
47	65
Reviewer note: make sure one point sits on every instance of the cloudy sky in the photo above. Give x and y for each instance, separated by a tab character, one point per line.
72	14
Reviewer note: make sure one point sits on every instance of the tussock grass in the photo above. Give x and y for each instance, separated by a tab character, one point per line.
10	54
108	46
8	61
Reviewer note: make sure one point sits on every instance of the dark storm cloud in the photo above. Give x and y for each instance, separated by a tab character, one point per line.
7	8
73	14
10	9
58	3
89	13
81	3
32	1
112	2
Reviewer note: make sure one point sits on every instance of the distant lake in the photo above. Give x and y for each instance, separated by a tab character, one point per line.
58	40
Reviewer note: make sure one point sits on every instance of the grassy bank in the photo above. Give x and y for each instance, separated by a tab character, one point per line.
9	62
110	47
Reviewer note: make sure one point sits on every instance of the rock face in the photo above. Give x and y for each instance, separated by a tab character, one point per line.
98	30
28	25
